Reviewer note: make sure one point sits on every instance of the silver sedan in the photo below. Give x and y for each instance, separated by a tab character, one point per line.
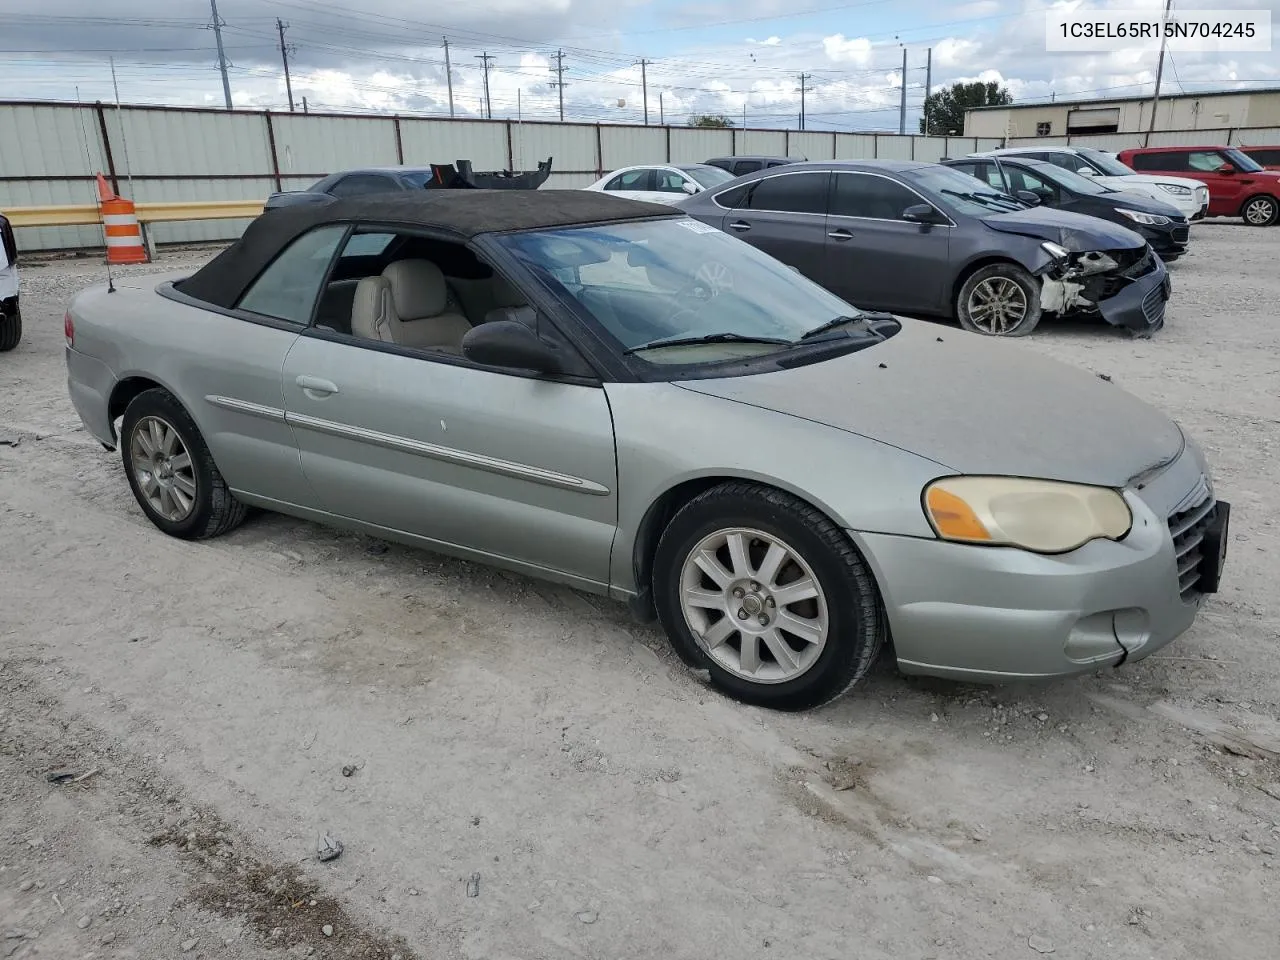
614	396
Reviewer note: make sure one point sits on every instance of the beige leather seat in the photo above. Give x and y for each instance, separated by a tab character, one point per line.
408	305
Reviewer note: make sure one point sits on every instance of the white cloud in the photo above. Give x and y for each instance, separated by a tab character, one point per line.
954	51
843	50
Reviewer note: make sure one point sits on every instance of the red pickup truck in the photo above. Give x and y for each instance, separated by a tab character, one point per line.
1239	186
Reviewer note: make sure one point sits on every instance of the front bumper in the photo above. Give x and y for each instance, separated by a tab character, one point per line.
993	614
1170	242
1139	306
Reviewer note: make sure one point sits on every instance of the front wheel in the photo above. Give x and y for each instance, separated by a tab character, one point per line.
1000	300
1261	211
768	595
172	473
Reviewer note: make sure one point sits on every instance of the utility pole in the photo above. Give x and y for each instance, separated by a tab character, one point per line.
488	106
902	106
448	73
558	83
1155	97
928	85
803	78
662	115
304	105
218	23
644	88
284	55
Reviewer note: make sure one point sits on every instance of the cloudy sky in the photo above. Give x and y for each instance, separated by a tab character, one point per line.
722	56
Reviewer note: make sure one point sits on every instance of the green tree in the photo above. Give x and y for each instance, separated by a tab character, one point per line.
710	120
945	109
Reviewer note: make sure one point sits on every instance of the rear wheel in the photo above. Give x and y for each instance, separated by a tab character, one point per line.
768	595
1261	211
1000	300
10	329
172	473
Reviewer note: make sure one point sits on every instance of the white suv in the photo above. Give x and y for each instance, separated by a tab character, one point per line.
1191	197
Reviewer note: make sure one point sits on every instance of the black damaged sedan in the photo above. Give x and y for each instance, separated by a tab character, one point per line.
1161	224
923	239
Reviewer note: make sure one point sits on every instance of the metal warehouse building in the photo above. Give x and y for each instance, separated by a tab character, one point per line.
1181	112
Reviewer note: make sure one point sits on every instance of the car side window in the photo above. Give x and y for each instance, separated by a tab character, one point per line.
988	174
287	289
871	197
1265	157
1020	179
1172	160
1205	161
790	193
747	166
632	180
669	181
361	183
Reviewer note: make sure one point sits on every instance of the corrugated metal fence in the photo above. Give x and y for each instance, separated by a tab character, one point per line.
49	153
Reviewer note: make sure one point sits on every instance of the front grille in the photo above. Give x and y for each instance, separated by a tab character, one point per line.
1181	234
1187	527
1153	306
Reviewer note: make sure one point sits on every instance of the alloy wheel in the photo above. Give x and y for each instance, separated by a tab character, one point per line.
997	305
163	468
754	604
1260	211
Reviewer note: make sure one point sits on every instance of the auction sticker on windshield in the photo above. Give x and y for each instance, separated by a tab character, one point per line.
1204	31
697	226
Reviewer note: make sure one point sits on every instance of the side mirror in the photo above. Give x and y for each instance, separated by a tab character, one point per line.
922	213
689	188
1029	196
1226	169
511	344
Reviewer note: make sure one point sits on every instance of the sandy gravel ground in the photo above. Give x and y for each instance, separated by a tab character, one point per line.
532	747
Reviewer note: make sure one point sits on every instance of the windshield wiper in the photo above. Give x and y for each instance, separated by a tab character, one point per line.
726	337
986	198
862	319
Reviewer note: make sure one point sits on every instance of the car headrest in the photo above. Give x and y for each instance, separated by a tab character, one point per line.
418	288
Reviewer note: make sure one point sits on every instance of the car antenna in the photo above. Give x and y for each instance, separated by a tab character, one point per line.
88	160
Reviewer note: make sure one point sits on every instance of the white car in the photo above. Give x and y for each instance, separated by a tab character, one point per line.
661	182
1191	197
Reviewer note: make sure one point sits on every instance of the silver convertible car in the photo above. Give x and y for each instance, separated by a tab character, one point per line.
612	395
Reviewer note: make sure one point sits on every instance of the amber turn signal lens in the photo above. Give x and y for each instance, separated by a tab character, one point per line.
953	517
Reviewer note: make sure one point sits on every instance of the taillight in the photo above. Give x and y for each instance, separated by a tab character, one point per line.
69	329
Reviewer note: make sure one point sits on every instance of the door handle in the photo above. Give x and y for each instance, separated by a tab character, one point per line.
740	226
841	234
314	385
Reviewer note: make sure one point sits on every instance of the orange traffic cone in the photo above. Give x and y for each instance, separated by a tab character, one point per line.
120	222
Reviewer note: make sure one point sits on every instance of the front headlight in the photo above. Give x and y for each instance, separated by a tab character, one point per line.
1150	219
1043	516
1054	250
1176	190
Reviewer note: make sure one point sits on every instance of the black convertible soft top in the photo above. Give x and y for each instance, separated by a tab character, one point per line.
464	213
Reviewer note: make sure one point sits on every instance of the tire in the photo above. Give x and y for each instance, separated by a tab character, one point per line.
1261	211
820	668
194	483
997	277
10	330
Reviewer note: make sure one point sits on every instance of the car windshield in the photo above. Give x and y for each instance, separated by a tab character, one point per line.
708	176
1109	165
1245	163
1071	181
961	193
679	280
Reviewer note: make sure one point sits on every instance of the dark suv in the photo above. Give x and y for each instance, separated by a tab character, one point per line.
739	166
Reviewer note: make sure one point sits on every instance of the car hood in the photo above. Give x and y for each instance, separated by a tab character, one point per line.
1142	202
1075	231
1119	182
973	404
